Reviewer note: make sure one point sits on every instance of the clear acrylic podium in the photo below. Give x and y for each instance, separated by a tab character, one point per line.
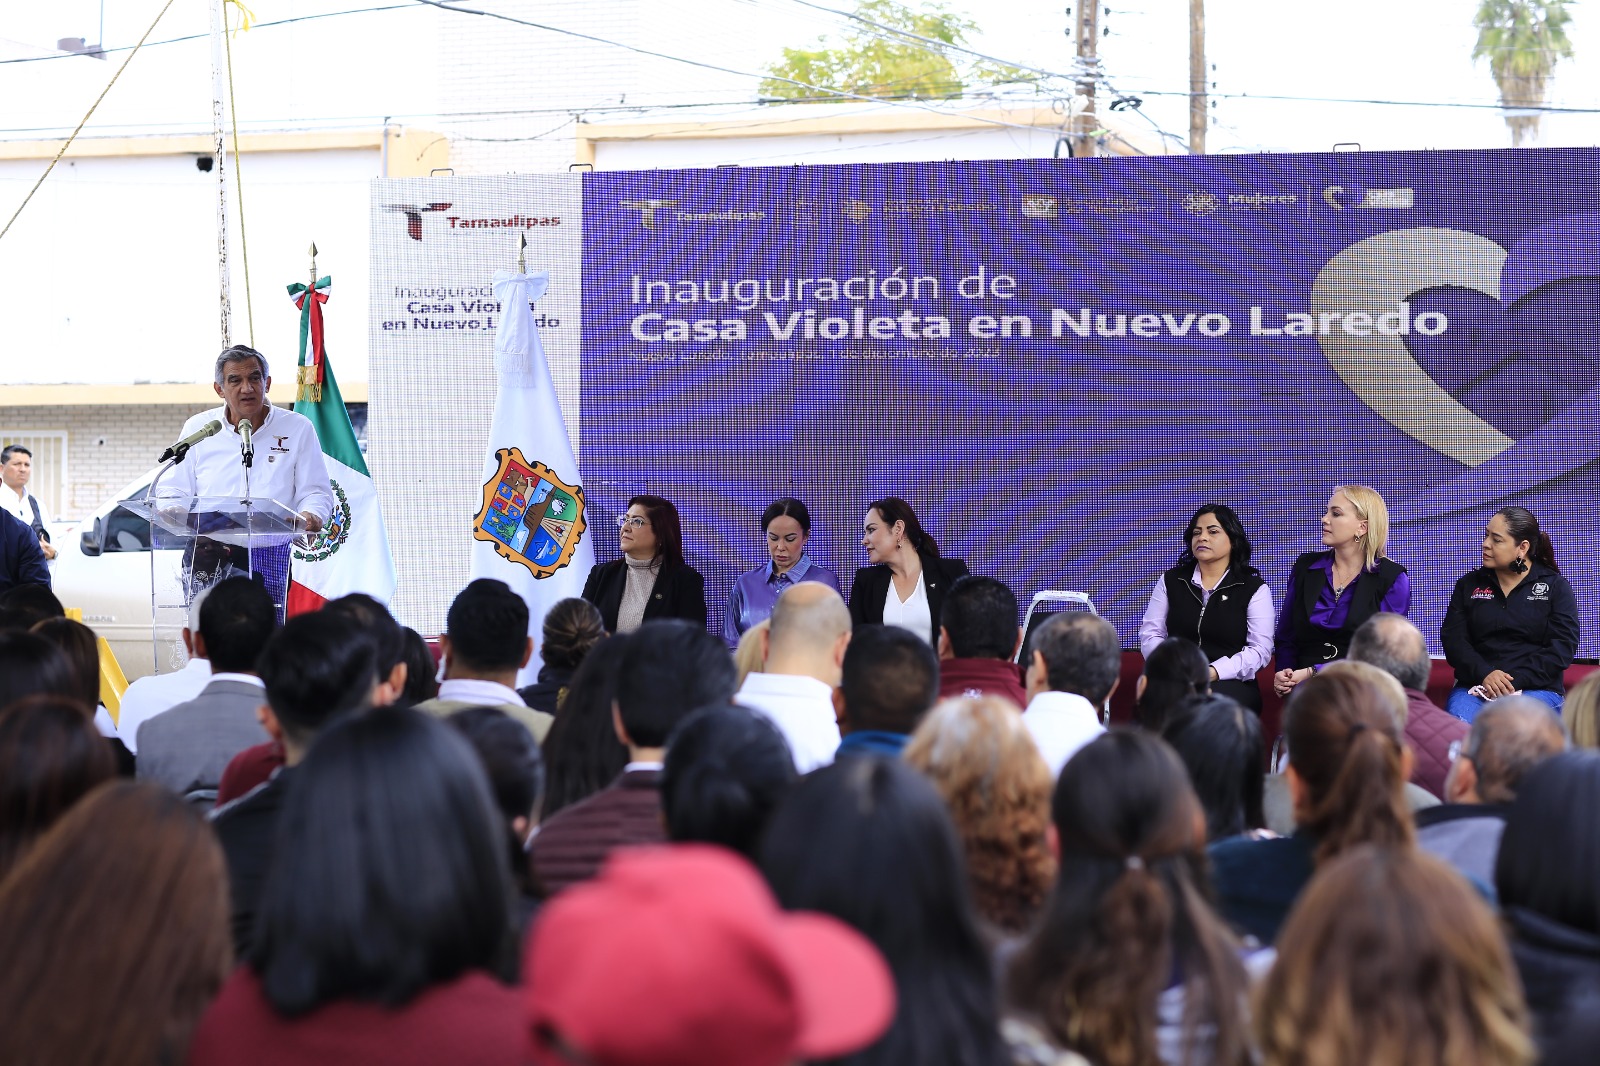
219	537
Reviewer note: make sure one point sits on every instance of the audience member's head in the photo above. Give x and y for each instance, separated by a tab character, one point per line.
515	768
389	873
978	754
422	669
609	982
30	664
670	667
808	632
750	657
316	669
77	642
890	679
114	929
1347	763
1581	712
727	769
1175	670
1128	912
236	622
868	840
1391	959
1075	652
1392	644
51	755
1394	694
28	605
571	628
1510	736
1219	743
979	620
582	753
1549	861
486	633
388	641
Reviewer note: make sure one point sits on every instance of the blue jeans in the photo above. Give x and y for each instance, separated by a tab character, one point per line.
1465	706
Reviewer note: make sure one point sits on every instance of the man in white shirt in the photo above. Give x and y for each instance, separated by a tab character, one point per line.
287	467
16	470
1074	662
484	645
805	645
148	696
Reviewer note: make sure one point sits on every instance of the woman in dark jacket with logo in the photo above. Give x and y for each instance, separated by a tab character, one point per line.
1512	624
1214	597
1332	591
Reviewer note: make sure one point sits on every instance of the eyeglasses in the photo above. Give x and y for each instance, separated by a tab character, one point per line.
624	521
1457	750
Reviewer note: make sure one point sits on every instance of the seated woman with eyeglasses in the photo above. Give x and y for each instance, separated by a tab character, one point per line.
651	580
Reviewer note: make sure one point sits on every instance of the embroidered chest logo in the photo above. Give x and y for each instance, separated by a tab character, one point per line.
1483	594
530	515
280	447
1540	591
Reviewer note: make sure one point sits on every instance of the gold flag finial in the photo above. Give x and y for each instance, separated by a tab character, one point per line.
522	253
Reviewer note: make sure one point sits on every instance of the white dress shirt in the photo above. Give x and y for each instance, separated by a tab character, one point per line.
478	691
802	709
288	464
913	614
18	503
1061	723
147	697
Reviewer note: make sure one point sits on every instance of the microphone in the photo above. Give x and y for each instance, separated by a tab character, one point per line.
246	445
181	448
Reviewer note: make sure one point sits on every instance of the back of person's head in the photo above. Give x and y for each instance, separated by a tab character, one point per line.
1392	644
422	669
1128	912
807	622
487	626
980	617
669	667
389	873
1394	695
31	604
315	669
890	679
570	629
1509	737
51	755
1581	712
30	664
515	767
236	621
727	769
1549	861
1080	654
114	929
582	754
980	757
387	637
1175	670
750	656
77	642
1345	748
1219	743
868	840
1390	958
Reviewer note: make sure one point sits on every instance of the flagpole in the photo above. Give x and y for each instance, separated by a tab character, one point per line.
522	253
219	26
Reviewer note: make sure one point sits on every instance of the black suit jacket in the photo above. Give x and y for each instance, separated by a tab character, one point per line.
680	592
871	588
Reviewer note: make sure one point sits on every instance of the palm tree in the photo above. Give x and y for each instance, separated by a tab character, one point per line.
1523	40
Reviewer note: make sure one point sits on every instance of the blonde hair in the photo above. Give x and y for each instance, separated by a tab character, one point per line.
1389	958
1582	712
1370	508
997	786
747	659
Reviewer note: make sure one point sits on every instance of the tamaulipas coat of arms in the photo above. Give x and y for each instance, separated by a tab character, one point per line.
530	516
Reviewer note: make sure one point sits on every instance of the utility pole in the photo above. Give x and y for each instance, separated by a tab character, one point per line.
1085	122
1197	77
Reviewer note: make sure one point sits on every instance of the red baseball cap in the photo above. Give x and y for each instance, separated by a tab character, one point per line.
680	956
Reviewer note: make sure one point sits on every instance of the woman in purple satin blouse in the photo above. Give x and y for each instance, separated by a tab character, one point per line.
1331	592
787	525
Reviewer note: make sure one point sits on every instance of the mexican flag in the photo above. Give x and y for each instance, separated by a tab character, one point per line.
351	553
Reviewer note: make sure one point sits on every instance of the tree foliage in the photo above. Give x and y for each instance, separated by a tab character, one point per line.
1522	40
912	55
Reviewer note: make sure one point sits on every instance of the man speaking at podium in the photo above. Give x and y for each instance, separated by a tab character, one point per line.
287	467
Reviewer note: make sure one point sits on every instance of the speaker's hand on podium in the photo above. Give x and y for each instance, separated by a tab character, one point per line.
313	524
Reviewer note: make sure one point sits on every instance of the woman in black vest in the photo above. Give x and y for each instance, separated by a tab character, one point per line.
1331	592
1215	598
